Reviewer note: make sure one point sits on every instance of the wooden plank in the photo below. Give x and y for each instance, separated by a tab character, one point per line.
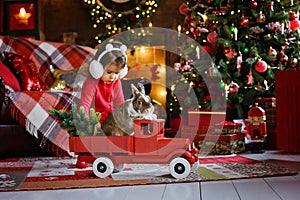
190	191
146	192
256	188
218	190
287	187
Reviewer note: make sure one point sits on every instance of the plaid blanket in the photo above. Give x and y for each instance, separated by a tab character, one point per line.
45	53
30	109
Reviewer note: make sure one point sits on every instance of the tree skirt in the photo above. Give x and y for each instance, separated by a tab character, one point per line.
45	173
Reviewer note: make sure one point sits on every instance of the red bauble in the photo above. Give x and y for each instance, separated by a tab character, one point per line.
272	52
253	4
294	24
284	59
212	37
261	66
244	21
183	9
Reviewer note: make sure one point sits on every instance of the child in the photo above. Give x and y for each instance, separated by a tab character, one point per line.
103	89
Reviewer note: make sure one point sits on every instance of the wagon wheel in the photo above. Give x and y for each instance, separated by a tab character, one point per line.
103	167
180	168
195	166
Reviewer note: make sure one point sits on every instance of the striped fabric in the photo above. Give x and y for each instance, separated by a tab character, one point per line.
30	107
43	54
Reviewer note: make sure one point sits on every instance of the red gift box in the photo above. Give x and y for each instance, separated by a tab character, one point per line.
205	120
226	127
220	144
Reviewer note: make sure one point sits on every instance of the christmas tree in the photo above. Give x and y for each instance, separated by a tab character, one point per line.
248	40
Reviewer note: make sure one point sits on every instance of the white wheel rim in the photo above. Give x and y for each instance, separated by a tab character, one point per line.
103	167
180	168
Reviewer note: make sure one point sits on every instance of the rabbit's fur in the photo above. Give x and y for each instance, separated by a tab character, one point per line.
120	121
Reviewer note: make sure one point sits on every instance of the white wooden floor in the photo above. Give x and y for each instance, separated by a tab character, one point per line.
272	188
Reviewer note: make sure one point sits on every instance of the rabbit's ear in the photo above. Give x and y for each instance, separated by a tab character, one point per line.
141	88
135	91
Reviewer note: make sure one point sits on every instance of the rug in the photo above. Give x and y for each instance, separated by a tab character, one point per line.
45	173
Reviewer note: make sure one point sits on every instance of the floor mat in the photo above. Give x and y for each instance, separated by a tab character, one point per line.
44	173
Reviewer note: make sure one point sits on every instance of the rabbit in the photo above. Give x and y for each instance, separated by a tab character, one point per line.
120	121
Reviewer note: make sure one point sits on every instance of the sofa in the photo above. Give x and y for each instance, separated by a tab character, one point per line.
34	76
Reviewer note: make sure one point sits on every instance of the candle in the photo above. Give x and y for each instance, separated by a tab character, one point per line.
266	84
235	33
179	30
198	52
292	2
282	28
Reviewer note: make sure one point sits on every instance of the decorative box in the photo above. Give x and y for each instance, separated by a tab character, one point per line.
269	105
205	120
220	144
226	127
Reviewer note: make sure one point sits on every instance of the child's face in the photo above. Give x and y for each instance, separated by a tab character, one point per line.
111	73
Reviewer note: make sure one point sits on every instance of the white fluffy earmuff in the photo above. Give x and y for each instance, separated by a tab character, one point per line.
96	69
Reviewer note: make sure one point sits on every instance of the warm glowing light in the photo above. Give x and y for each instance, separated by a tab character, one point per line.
163	92
143	50
22	16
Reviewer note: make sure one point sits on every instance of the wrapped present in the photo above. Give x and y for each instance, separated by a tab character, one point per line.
220	144
269	105
192	131
226	127
205	120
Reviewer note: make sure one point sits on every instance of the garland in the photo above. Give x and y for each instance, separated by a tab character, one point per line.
118	17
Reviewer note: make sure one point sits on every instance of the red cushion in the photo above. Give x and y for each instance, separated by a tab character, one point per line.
9	78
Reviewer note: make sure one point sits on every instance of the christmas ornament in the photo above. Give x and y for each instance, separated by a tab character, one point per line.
261	66
250	78
271	55
272	52
245	50
183	9
239	61
221	84
244	21
257	128
284	59
271	6
212	37
212	71
261	17
293	62
233	87
230	53
294	24
253	4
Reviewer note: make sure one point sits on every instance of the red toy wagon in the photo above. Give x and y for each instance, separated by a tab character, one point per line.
147	145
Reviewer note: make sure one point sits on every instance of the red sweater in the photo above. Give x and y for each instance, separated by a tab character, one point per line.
103	97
